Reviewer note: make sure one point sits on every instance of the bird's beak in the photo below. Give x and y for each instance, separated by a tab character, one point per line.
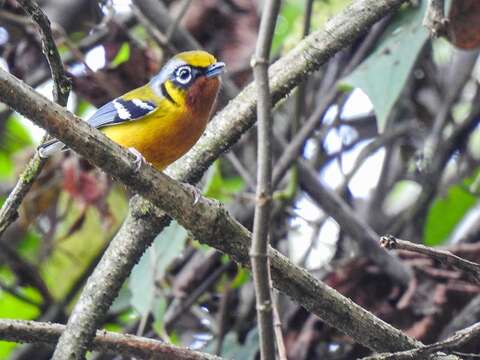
215	69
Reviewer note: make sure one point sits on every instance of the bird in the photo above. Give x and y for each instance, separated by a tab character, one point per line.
160	121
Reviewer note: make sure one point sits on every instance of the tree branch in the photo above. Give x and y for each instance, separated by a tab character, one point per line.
457	340
471	268
435	20
61	83
24	331
263	198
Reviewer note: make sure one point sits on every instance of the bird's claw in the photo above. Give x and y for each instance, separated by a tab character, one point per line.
195	192
139	159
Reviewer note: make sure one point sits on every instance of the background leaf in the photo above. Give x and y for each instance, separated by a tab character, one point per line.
383	75
167	246
446	212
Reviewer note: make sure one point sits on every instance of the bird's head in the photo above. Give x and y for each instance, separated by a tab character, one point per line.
190	79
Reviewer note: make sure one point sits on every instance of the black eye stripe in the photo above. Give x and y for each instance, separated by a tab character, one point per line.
180	78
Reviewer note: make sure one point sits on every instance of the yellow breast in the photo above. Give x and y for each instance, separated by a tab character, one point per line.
170	131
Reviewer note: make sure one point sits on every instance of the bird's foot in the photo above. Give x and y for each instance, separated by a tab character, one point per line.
195	192
139	159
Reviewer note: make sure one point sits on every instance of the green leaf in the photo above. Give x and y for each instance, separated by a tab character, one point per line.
75	252
30	245
6	165
242	277
122	56
166	247
219	187
290	12
383	75
289	27
13	308
159	309
82	108
446	213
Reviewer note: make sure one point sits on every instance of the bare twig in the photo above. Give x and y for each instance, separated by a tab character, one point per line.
183	10
157	35
435	19
61	89
457	340
277	323
143	348
261	221
300	95
61	83
172	316
13	290
471	268
294	148
242	171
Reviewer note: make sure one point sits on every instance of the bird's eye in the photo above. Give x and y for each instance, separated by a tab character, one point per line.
183	75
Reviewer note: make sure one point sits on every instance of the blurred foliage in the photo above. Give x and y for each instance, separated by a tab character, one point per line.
220	187
150	271
447	212
383	75
13	139
72	252
289	27
122	56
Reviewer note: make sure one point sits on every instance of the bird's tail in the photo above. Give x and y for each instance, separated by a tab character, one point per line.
49	148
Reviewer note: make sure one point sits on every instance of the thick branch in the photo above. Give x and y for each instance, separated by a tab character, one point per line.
261	222
129	345
471	268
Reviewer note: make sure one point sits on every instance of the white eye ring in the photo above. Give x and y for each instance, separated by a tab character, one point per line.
183	74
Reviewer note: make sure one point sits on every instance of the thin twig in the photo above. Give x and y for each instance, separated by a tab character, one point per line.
24	331
61	90
471	268
12	290
61	83
277	323
299	110
457	340
157	35
172	316
300	95
241	170
261	221
173	26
